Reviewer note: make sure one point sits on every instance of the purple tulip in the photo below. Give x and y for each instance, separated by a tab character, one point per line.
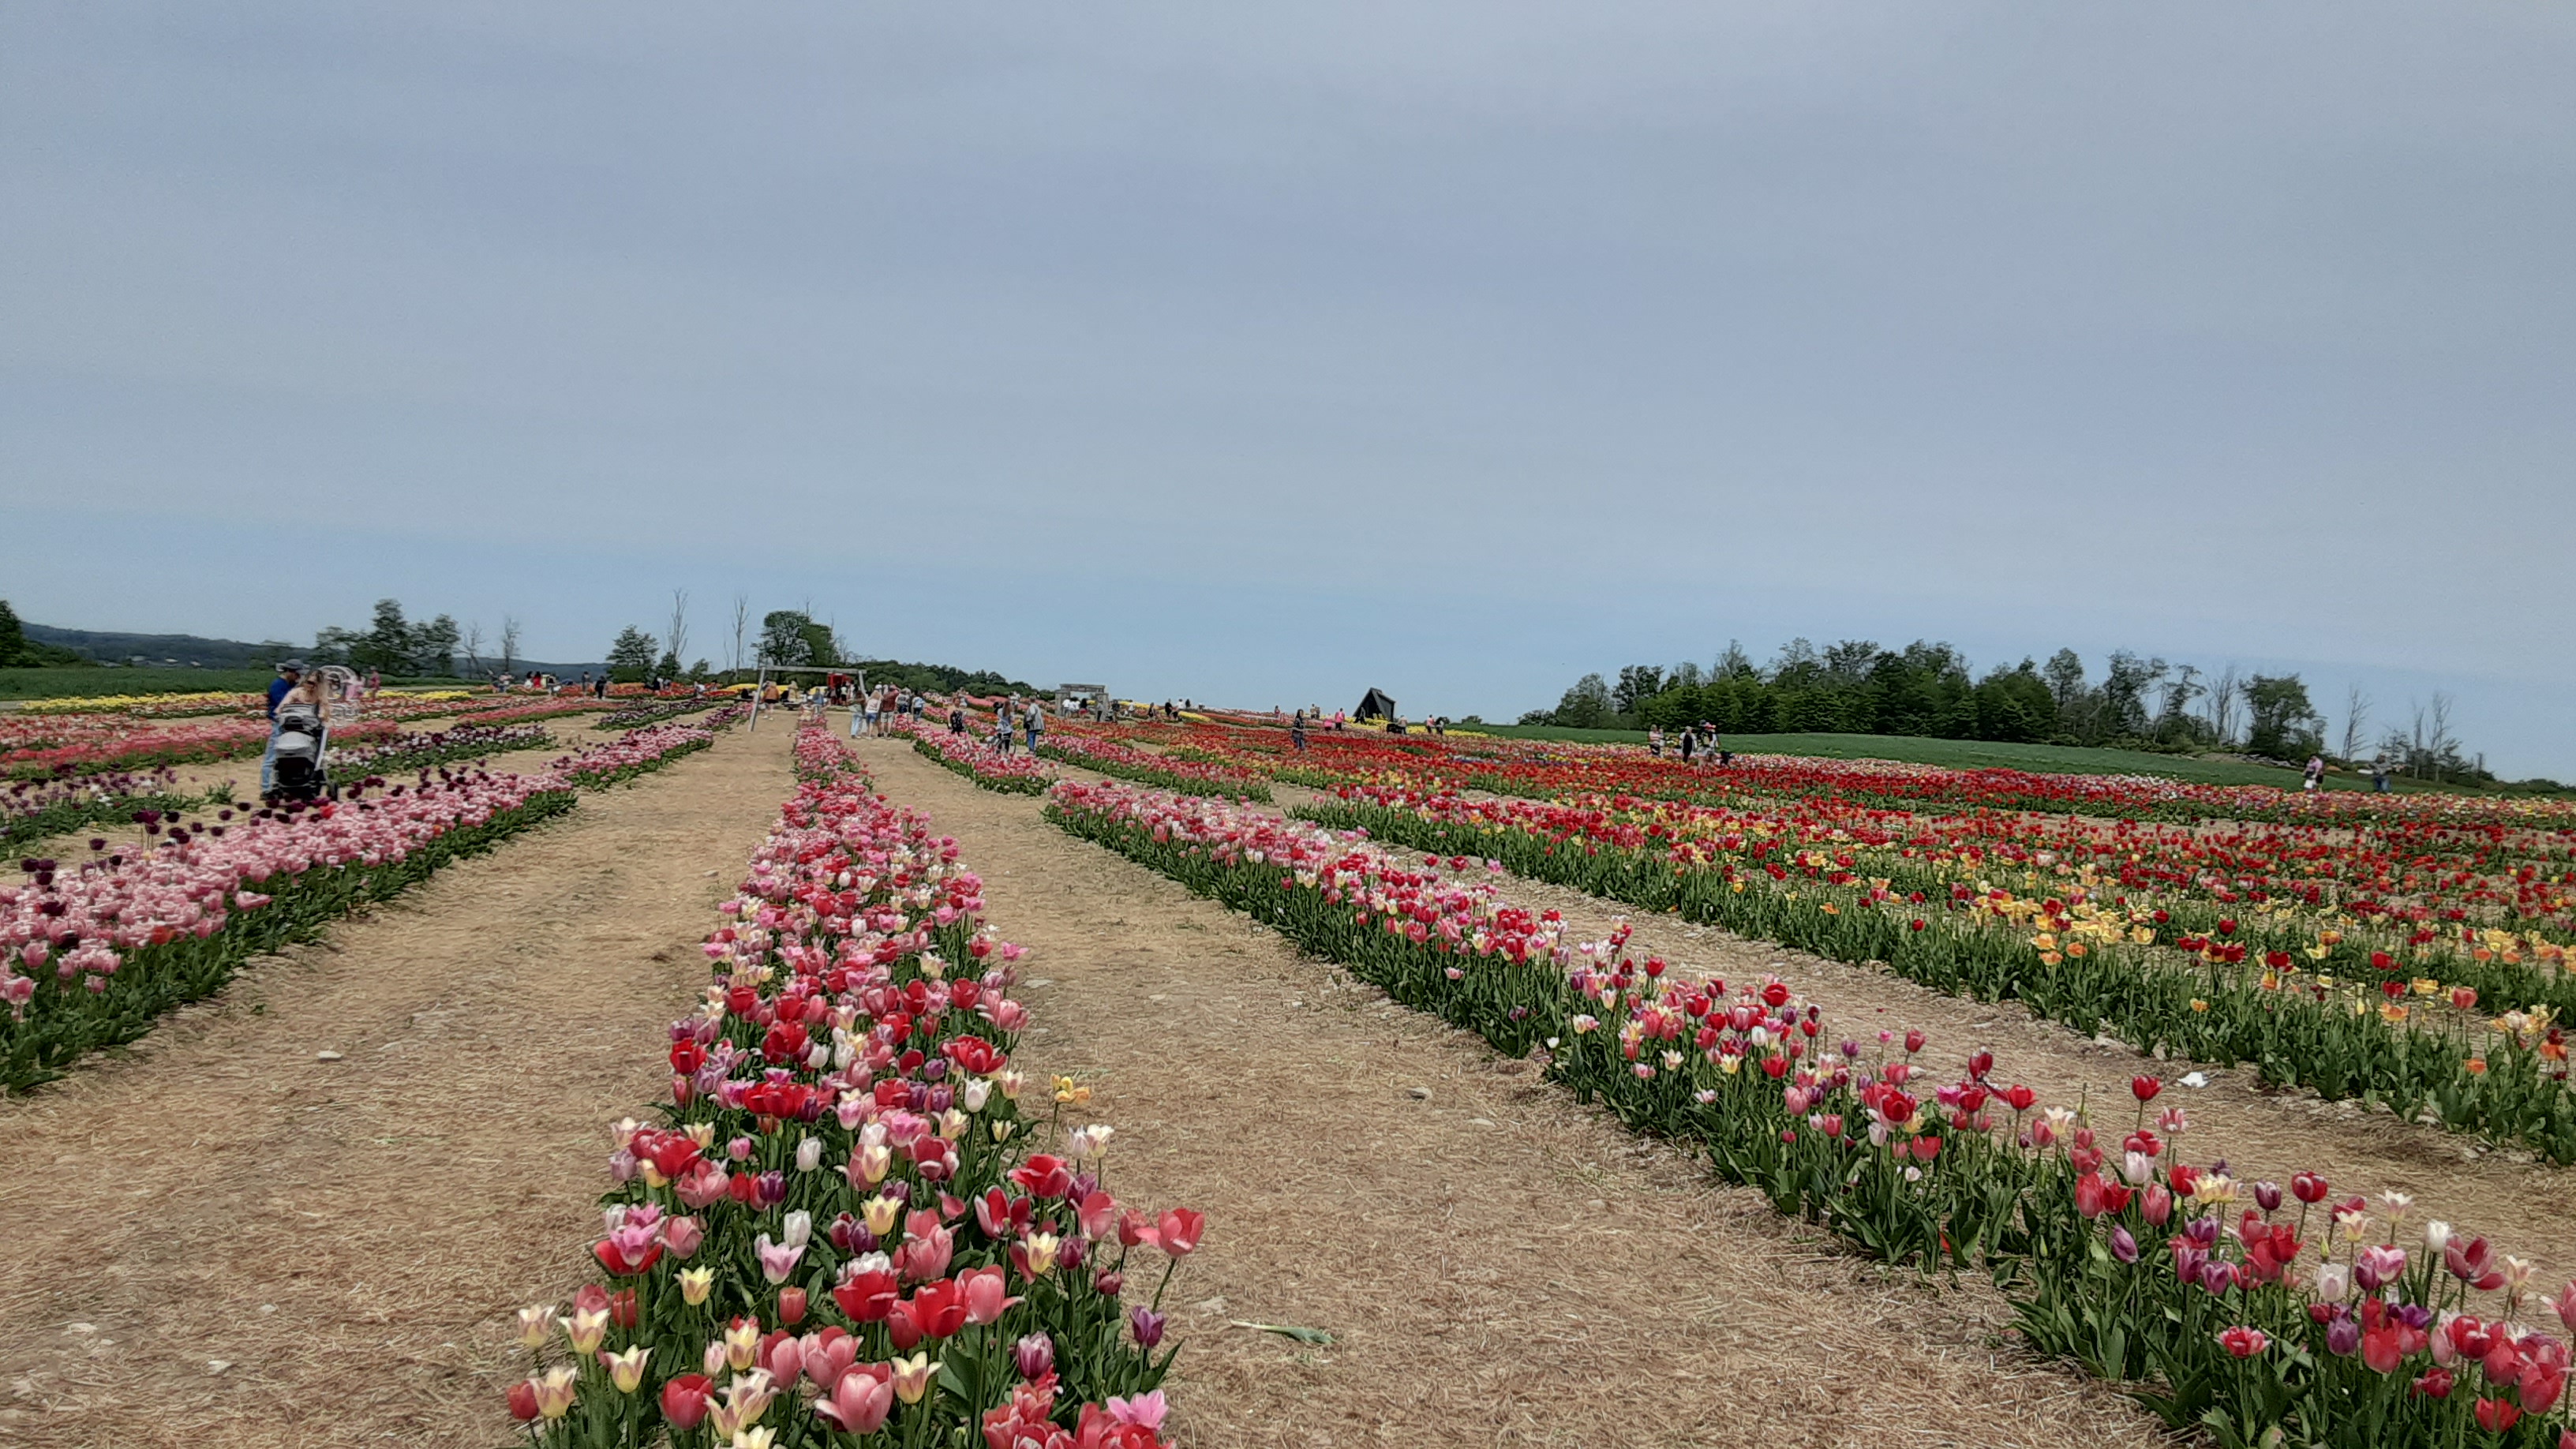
1147	1325
2123	1246
1033	1355
2343	1337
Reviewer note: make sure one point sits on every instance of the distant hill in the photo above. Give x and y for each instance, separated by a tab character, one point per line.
191	651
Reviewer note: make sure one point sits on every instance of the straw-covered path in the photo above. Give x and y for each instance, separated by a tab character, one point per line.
1496	1265
223	1239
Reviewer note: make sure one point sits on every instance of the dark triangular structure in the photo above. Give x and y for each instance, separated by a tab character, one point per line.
1374	705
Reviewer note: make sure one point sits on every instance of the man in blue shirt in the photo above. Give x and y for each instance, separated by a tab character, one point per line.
288	672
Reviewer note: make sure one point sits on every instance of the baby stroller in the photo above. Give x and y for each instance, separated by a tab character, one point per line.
303	735
302	770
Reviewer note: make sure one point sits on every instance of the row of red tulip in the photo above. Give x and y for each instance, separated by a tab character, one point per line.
853	1223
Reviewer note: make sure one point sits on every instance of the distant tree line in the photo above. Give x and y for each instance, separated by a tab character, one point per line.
392	644
1928	689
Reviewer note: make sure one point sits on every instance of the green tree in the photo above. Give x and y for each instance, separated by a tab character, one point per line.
2285	725
1587	705
630	658
784	637
433	646
1637	684
387	643
17	650
822	646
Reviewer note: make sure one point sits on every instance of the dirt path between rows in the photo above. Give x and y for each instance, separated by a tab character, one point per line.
222	1240
2526	1208
1498	1266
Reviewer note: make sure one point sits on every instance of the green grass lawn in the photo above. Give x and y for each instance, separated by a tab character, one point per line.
1977	755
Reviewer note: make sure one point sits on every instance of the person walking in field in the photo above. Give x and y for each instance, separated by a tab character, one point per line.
1655	741
290	673
2316	773
1034	719
956	718
1297	732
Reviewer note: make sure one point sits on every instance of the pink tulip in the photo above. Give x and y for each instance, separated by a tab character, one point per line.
986	1296
860	1401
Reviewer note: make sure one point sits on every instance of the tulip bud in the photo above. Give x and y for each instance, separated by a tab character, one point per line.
1147	1325
1033	1355
809	1154
714	1359
535	1324
695	1284
2334	1282
682	1237
791	1306
684	1401
797	1229
1109	1282
2123	1246
879	1214
2437	1235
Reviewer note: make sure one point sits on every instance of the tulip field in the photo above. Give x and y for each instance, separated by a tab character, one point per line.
2272	1146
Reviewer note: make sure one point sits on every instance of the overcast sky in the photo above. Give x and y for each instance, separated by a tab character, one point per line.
1262	354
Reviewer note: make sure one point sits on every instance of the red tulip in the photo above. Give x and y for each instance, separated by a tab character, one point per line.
2495	1415
2145	1088
938	1310
1178	1232
868	1296
1044	1176
523	1400
2541	1385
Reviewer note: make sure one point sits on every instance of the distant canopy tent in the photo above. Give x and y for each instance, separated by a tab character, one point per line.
1375	705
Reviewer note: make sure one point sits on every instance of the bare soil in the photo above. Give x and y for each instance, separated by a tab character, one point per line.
1497	1265
221	1239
